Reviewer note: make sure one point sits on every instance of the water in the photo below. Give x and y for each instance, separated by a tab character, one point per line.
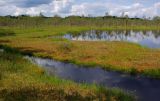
146	89
150	39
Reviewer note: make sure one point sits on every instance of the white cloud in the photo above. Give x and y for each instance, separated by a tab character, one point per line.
133	10
71	7
54	7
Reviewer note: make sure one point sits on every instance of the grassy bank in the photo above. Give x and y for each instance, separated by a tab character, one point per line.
22	81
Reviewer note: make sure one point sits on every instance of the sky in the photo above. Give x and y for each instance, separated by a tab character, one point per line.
132	8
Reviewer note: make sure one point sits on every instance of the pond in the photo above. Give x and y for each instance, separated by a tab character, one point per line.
146	89
149	39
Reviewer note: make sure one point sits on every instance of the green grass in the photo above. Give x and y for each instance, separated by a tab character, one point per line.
105	22
22	81
38	36
6	32
121	56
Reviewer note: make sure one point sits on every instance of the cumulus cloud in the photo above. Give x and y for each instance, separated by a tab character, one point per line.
72	7
34	7
133	10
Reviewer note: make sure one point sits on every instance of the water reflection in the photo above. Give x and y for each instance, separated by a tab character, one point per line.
145	88
146	38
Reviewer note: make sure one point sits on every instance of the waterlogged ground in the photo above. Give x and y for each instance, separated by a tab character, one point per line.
149	39
117	55
20	80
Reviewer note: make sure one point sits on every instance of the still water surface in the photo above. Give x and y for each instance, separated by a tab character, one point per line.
146	89
149	39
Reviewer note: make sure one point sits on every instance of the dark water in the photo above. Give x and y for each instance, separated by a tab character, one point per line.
145	38
145	88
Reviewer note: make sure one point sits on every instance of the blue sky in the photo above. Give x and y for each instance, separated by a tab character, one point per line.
138	8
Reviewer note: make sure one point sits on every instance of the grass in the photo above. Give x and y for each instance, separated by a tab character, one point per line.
105	22
31	32
120	56
22	81
4	32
